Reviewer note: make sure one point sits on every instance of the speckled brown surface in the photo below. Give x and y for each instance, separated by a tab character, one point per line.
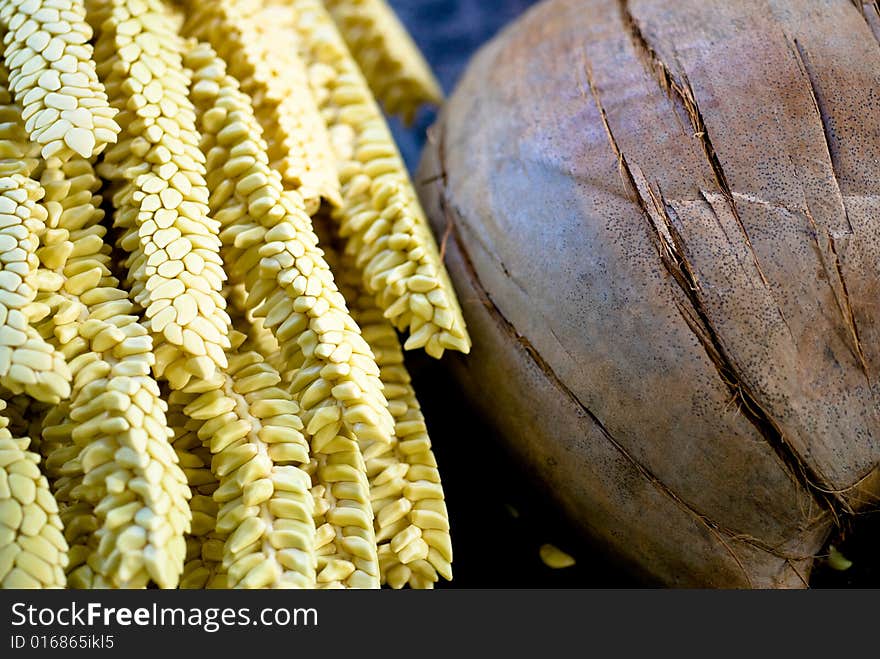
665	254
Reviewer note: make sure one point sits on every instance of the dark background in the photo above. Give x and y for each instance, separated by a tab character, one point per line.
448	32
500	521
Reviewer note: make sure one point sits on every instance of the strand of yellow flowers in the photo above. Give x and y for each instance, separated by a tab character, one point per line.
33	551
260	338
385	228
203	566
28	364
175	270
113	467
256	48
111	440
412	522
53	78
272	249
394	67
253	429
25	415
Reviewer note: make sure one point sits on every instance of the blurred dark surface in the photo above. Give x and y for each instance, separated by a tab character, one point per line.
499	518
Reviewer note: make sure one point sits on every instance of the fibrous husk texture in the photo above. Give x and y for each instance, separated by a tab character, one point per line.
663	219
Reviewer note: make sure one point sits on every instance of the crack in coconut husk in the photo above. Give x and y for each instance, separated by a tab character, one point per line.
714	528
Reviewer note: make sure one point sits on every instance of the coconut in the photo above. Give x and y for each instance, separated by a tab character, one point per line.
663	222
